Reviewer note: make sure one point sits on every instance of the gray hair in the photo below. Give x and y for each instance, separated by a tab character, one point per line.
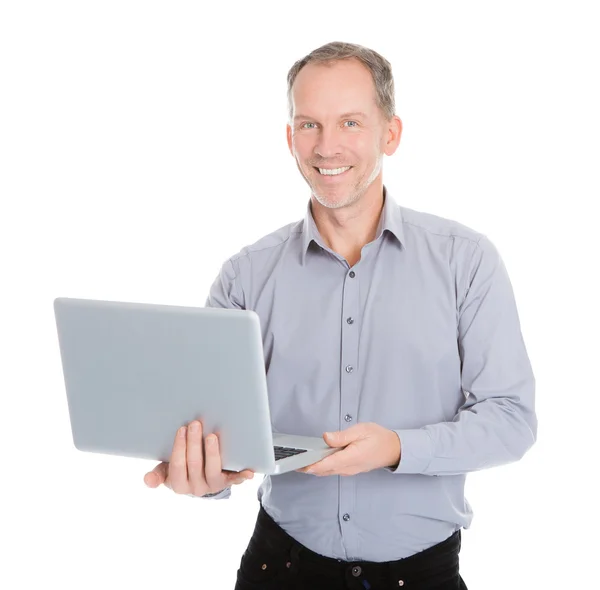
380	68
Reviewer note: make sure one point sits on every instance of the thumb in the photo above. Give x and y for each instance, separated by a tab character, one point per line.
335	439
157	476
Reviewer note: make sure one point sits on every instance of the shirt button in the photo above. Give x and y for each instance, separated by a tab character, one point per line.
352	274
400	582
356	570
348	418
346	517
350	320
349	369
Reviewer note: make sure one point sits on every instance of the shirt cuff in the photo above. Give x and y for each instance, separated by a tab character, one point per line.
416	451
222	495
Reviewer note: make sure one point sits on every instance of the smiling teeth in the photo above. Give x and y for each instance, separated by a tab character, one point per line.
333	171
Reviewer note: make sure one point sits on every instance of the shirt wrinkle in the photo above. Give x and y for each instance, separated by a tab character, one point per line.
415	338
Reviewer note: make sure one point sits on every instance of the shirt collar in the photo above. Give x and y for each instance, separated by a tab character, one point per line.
390	219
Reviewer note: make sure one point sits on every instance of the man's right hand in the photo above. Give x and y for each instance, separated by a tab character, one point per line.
188	472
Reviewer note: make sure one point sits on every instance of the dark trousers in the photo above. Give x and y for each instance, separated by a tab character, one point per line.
276	561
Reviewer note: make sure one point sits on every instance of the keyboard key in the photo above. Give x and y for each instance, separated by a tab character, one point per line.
284	452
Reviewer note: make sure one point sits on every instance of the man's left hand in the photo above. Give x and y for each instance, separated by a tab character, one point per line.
368	446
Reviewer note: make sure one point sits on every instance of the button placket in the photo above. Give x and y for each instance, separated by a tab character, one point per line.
349	391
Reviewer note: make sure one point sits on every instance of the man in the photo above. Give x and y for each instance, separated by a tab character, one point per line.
395	330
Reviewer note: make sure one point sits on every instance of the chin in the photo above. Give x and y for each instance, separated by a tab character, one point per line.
336	201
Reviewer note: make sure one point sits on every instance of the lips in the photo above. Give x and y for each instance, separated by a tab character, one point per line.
333	168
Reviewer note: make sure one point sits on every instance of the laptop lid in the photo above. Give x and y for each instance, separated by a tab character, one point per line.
135	372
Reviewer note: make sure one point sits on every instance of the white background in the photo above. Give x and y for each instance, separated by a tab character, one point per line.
143	143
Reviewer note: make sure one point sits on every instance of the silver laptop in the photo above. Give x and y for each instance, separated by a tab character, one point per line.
136	372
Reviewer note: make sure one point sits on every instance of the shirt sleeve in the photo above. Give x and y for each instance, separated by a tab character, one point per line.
224	293
497	423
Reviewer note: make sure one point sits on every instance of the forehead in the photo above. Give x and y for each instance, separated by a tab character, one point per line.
336	87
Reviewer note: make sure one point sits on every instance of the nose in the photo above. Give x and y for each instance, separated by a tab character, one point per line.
328	143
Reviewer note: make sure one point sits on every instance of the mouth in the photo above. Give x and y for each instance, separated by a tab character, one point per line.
332	173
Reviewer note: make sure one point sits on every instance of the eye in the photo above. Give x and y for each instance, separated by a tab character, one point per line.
355	123
307	123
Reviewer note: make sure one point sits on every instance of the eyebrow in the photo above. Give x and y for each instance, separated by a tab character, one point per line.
342	116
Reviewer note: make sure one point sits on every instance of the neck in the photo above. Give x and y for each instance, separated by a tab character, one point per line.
348	229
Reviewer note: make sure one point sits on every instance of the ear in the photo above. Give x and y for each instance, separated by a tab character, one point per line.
289	138
393	133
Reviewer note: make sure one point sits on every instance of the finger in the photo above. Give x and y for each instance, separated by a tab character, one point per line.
178	465
212	462
338	462
317	467
240	477
157	476
195	460
311	466
325	466
320	472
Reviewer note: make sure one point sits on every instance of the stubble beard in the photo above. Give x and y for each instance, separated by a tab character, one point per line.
355	192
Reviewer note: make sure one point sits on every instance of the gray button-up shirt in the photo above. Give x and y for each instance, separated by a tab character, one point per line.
421	336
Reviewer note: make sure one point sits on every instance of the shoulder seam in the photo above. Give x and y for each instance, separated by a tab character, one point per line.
449	235
242	254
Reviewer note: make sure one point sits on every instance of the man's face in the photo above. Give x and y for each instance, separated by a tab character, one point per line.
337	124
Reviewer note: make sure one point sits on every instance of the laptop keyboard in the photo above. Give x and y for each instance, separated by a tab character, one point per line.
284	452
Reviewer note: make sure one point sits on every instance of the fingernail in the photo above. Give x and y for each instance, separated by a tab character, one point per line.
210	440
182	431
194	427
